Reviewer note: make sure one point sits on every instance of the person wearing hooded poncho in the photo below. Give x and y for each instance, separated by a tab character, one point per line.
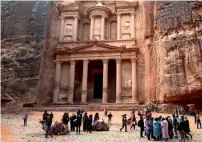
156	129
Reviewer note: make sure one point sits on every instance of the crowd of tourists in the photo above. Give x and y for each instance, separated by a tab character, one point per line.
158	128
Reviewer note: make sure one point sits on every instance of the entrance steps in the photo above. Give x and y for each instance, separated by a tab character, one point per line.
90	107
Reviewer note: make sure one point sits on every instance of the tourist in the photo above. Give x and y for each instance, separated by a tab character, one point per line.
170	127
124	122
186	127
90	120
105	112
132	112
96	117
78	111
78	123
45	114
25	118
65	119
85	122
198	121
109	118
181	129
164	125
51	115
141	125
156	129
49	123
133	121
175	126
195	113
72	124
148	128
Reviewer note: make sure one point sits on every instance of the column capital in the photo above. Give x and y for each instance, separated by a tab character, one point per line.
105	61
72	62
58	61
76	17
62	17
133	60
86	61
132	13
91	16
118	61
118	14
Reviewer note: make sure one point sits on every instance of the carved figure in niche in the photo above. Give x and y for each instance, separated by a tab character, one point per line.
97	29
128	83
68	28
64	85
126	25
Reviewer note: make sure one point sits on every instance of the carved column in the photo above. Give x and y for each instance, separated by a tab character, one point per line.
61	38
105	82
91	27
134	81
118	81
132	25
75	27
57	81
84	82
71	85
102	27
118	25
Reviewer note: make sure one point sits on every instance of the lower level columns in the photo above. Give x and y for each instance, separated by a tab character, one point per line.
71	85
118	81
134	81
84	82
57	81
105	82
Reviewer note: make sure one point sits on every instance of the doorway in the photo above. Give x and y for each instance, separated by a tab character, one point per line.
97	86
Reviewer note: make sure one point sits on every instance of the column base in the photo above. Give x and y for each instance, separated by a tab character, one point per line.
134	102
84	103
118	102
104	102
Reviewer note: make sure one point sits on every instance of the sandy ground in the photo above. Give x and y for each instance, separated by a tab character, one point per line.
13	130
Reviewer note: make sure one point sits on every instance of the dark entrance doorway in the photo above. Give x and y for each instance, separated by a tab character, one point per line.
97	86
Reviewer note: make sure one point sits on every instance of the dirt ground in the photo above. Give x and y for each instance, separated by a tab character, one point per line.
12	130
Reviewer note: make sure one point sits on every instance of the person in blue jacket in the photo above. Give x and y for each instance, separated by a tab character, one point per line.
156	129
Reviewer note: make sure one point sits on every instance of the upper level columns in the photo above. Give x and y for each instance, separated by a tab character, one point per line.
57	81
61	37
118	81
75	27
132	25
118	26
84	82
72	78
91	27
102	27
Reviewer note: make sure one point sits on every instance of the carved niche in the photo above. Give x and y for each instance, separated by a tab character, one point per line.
113	30
125	26
86	31
68	29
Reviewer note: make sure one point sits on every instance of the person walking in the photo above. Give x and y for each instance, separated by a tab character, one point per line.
170	127
133	121
124	122
109	118
141	125
198	121
25	118
181	129
187	128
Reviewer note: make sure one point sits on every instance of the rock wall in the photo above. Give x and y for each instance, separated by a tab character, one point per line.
22	34
178	42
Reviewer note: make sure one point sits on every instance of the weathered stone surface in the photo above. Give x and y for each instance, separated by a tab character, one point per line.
178	42
23	33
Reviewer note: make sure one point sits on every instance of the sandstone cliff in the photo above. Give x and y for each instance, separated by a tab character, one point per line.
178	41
23	33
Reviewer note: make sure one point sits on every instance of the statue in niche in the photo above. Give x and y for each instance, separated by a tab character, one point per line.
68	28
128	83
97	29
126	25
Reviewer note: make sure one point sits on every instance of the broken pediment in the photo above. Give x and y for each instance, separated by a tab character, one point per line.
71	7
124	4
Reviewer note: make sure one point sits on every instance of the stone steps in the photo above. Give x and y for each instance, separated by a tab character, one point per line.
90	107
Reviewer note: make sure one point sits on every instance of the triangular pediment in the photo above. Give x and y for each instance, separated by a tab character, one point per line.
96	47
